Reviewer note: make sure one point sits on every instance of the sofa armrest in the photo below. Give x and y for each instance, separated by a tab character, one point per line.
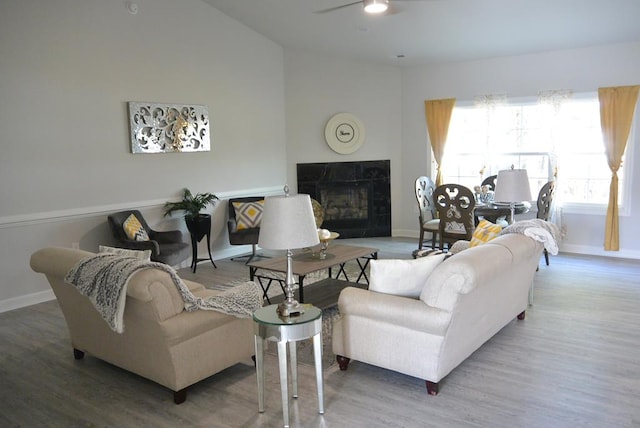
156	287
401	311
56	261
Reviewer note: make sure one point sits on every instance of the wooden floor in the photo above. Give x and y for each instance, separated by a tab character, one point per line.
573	362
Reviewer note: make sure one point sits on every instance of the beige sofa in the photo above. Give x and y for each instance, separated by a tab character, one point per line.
465	300
161	341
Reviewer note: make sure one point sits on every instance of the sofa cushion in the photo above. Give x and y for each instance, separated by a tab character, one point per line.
485	232
248	214
134	229
138	254
402	277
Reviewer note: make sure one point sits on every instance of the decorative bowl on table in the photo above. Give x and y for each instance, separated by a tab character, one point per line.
325	236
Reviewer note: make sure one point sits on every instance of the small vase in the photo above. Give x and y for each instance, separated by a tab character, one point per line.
323	249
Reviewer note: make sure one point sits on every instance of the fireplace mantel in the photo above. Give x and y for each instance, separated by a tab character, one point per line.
356	196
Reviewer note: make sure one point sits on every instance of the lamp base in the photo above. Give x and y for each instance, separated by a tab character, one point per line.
290	309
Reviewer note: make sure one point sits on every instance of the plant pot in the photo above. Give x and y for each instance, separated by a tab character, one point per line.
199	226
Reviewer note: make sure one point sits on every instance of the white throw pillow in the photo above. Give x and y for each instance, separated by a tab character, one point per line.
138	254
402	277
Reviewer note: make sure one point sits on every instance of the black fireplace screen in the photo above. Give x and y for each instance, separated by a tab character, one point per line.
356	196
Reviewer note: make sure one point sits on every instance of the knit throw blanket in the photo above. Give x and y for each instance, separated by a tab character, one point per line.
103	278
539	230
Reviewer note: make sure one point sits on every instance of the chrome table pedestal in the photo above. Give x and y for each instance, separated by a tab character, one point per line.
268	326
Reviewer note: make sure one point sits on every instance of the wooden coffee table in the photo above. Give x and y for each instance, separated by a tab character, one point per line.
306	262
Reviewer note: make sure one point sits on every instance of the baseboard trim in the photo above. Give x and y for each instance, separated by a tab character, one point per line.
598	251
26	300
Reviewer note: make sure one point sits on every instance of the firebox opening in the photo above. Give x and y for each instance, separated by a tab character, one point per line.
345	203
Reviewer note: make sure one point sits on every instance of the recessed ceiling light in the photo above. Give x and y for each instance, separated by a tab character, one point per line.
375	6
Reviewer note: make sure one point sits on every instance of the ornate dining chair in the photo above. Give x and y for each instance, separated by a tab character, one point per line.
545	201
490	181
427	214
455	204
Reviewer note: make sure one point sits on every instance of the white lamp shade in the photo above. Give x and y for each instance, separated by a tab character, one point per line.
288	223
512	185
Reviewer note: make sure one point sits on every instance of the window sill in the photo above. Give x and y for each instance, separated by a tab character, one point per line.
591	209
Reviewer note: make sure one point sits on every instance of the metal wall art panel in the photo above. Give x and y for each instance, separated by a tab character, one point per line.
166	128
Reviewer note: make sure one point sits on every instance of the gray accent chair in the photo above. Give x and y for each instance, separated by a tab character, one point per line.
166	247
243	236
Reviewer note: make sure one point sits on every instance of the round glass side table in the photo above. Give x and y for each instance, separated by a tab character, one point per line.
268	326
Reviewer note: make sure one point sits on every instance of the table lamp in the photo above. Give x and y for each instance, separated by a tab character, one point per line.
288	223
512	186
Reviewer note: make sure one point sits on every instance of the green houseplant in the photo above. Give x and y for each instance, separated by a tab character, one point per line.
191	204
197	223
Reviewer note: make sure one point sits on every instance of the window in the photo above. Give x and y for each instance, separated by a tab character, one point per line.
542	138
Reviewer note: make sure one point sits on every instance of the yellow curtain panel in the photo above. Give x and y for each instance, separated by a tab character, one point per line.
438	115
617	107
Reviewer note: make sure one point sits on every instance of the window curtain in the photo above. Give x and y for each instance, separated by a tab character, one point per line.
617	107
438	115
554	100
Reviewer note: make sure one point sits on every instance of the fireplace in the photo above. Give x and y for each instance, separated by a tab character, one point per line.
356	196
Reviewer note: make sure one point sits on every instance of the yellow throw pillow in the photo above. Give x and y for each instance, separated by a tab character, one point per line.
134	230
248	214
485	232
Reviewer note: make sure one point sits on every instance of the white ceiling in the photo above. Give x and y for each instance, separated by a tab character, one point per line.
434	31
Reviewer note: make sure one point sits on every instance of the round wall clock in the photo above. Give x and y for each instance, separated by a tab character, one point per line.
344	133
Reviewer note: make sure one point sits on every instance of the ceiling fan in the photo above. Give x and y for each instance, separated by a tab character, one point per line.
373	7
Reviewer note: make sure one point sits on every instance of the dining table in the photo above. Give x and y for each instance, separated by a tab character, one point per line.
492	211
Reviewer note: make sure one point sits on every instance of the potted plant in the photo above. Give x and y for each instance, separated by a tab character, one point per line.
197	223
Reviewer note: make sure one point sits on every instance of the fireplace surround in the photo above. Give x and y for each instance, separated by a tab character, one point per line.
355	196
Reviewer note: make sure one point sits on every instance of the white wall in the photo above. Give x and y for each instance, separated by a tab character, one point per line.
318	87
581	70
68	69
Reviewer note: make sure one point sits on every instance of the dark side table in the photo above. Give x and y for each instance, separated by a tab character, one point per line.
200	227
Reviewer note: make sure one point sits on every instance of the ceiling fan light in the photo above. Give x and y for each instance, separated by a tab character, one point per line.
375	6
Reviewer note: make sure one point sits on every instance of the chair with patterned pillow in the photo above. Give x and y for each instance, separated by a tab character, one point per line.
130	230
245	214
